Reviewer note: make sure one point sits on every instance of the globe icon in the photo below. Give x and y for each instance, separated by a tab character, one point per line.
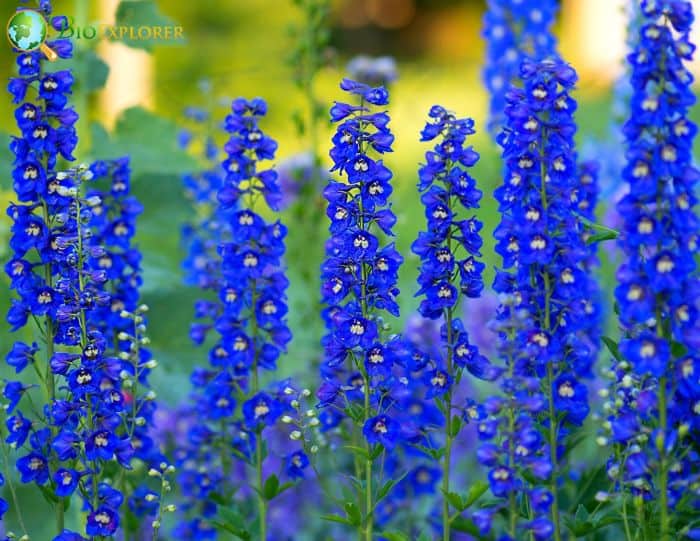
27	30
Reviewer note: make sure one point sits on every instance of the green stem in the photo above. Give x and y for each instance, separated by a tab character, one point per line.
368	476
262	502
550	368
447	458
663	481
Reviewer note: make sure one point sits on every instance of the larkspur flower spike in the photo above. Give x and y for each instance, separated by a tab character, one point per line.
543	323
514	30
653	403
359	275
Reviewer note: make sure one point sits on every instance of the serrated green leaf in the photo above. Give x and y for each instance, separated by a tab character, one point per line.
612	348
95	71
582	514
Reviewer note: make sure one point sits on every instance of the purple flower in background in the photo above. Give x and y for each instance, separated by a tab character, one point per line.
373	71
514	30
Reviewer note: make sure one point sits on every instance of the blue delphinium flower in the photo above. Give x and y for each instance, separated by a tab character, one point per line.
359	275
249	317
450	269
75	441
547	340
513	30
210	226
653	407
114	253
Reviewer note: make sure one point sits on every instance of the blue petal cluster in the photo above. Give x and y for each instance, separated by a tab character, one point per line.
655	399
514	30
113	223
74	273
210	226
360	272
543	320
249	318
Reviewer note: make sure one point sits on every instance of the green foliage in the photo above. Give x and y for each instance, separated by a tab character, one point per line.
272	487
93	70
136	13
228	519
584	523
612	347
149	139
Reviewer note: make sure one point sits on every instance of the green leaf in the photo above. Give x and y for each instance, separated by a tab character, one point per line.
133	14
612	348
386	488
464	525
601	237
394	536
271	487
240	534
377	451
353	513
476	491
454	499
336	518
602	232
148	139
455	426
360	451
95	71
678	350
89	69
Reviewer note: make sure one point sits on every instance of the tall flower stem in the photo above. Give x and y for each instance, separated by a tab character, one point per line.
664	520
552	415
262	501
447	458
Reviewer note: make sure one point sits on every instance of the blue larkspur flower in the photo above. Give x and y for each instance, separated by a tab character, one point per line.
514	30
654	413
547	337
236	258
